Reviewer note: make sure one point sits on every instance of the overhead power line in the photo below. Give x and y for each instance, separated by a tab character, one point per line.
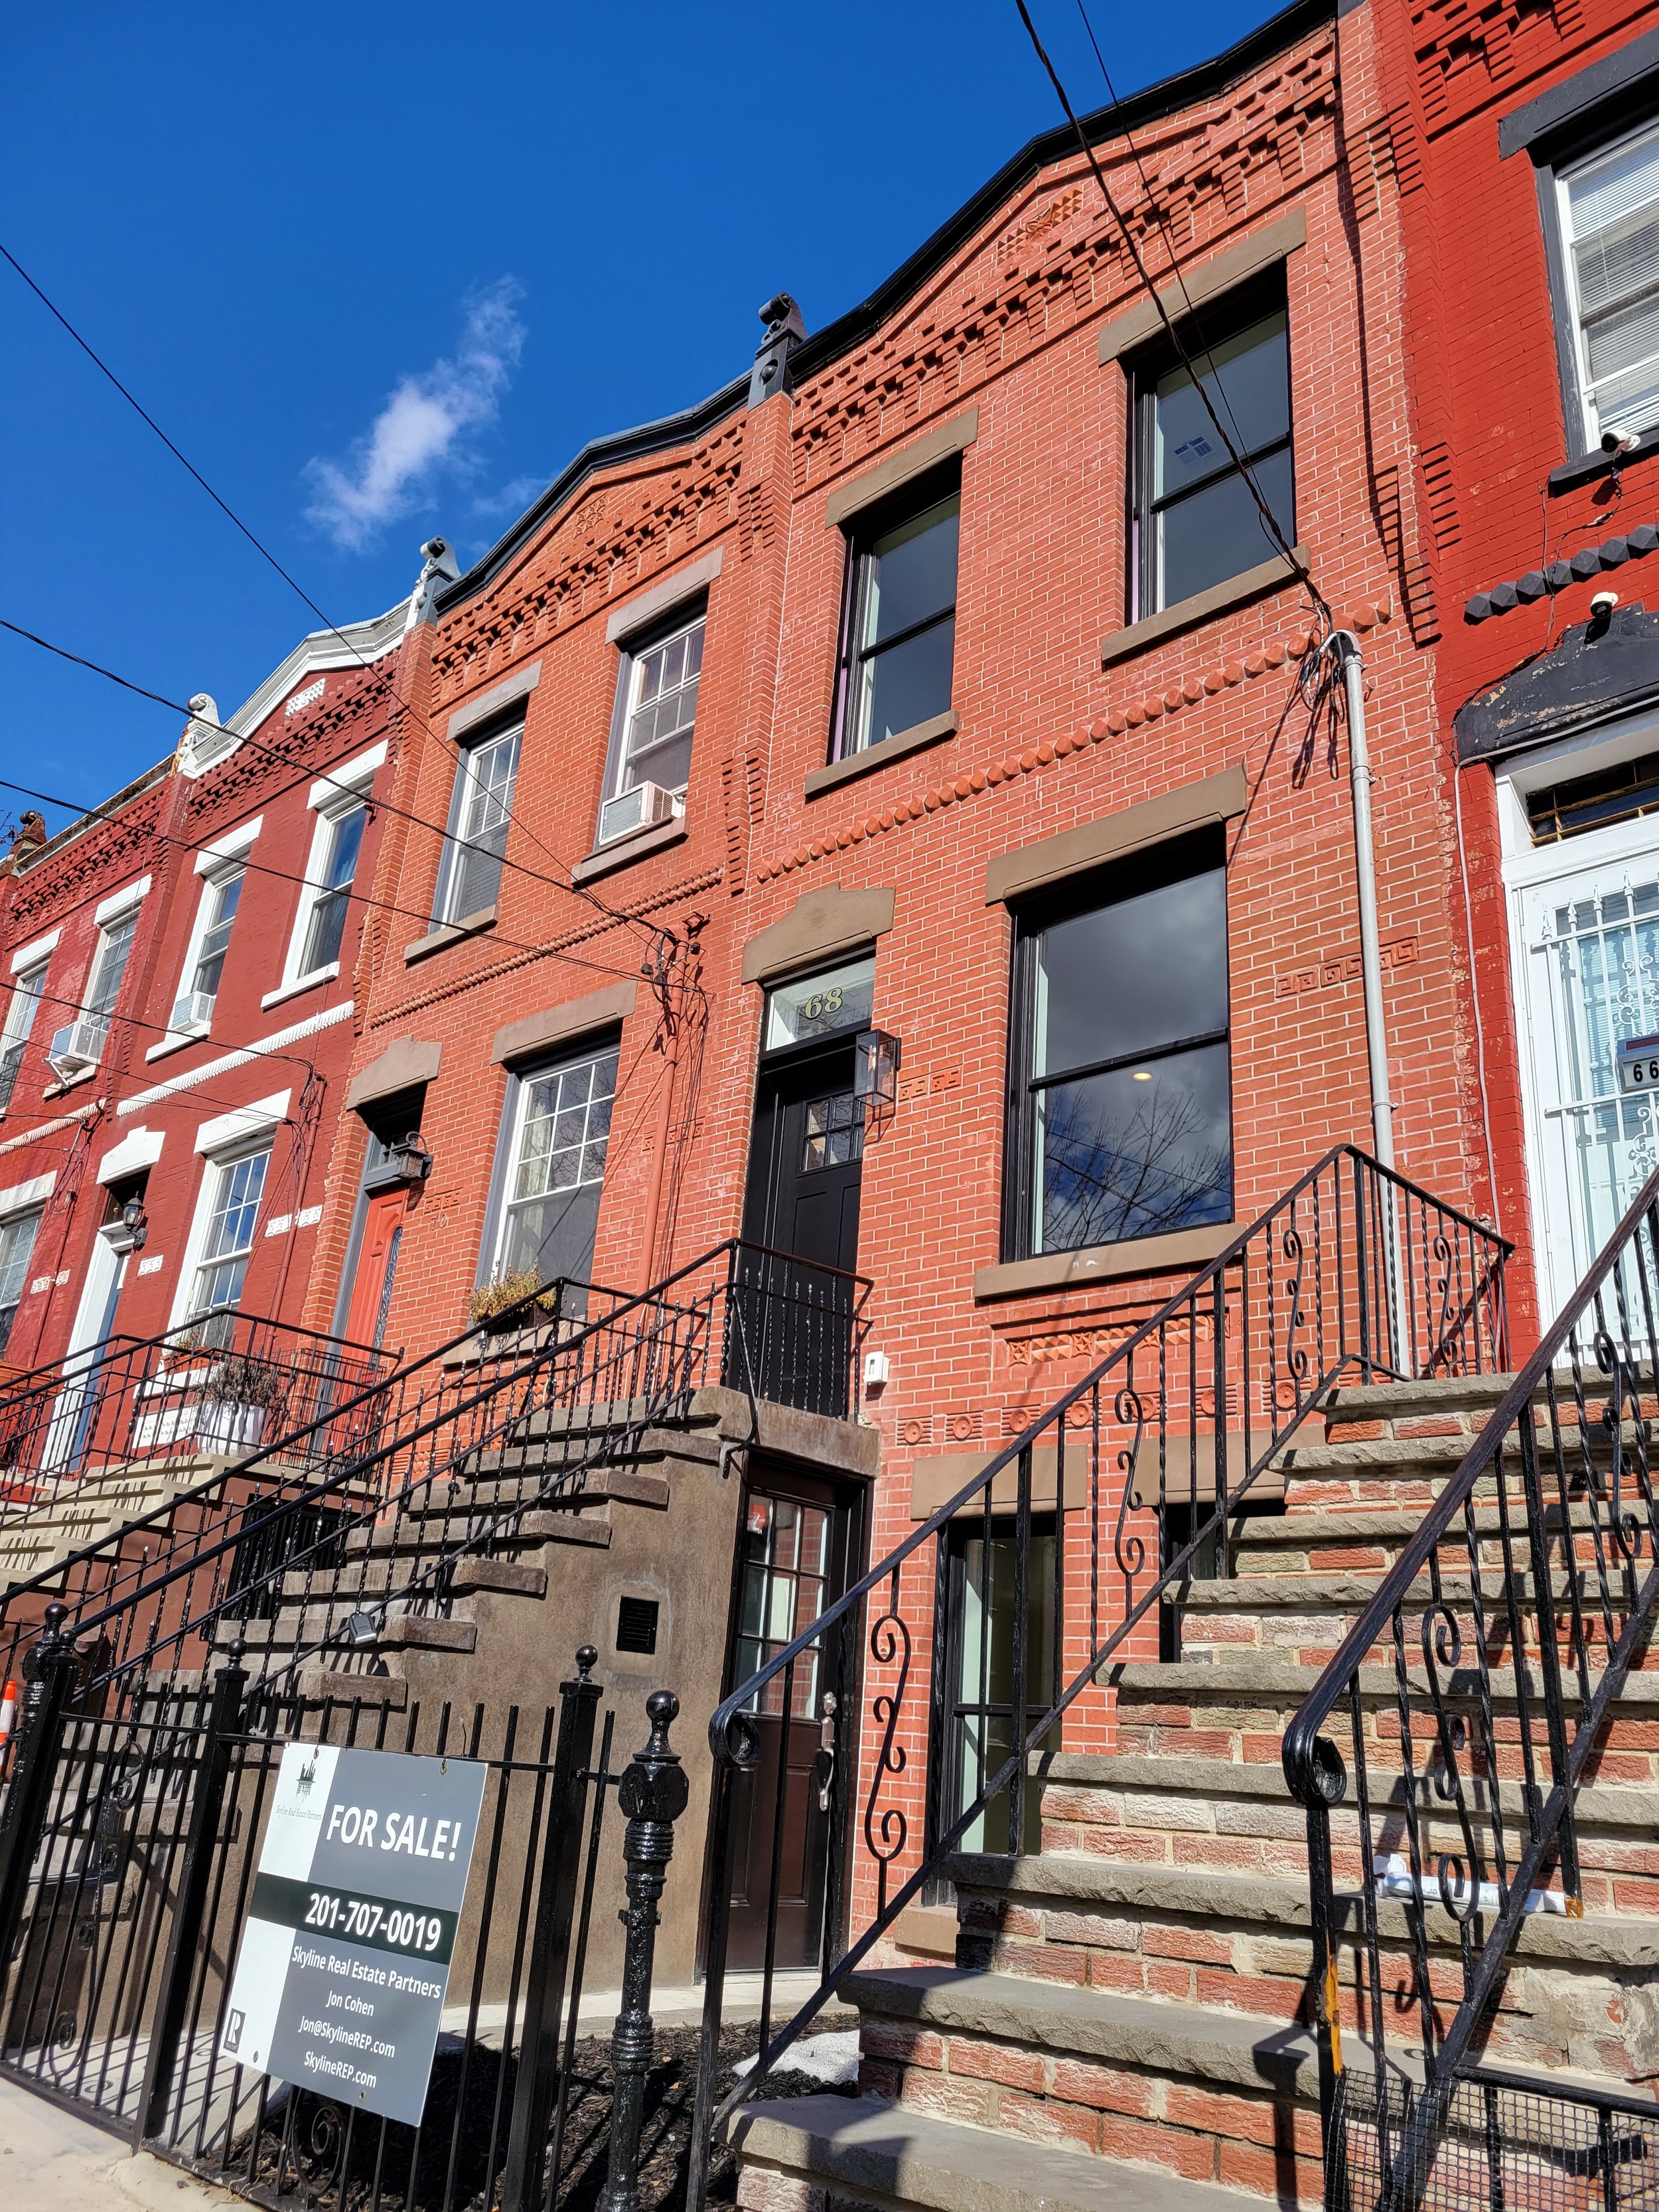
578	891
449	836
1269	521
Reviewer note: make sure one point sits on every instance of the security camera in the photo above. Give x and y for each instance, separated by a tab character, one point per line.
1603	605
1612	443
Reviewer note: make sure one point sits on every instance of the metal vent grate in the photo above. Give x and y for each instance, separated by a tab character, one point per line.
636	1625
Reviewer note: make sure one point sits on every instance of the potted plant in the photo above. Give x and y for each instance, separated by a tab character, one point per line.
239	1397
505	1303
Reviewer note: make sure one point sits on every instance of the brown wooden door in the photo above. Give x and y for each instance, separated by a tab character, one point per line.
377	1266
793	1544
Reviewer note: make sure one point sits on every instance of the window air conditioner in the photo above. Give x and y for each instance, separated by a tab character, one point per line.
193	1007
77	1046
647	805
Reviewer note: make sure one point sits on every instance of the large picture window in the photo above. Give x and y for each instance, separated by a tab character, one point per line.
899	631
557	1134
1120	1106
481	813
1195	521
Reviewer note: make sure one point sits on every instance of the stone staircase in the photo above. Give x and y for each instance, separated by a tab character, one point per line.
1127	2020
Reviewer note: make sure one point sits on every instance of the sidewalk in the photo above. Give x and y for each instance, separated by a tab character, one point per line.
53	2161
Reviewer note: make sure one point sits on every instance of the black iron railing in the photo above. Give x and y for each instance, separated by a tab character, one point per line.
1466	1701
993	1618
220	1383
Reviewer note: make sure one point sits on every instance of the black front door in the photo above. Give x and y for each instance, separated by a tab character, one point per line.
805	1165
793	1566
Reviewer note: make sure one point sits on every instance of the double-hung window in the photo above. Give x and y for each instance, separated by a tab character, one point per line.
233	1210
898	629
325	929
1607	207
26	991
16	1248
656	721
557	1136
1196	522
480	814
109	968
1120	1086
204	969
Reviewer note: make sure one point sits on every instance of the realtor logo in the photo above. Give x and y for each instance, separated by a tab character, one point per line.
233	2032
306	1776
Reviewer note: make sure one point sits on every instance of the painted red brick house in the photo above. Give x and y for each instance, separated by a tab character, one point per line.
178	1022
1525	150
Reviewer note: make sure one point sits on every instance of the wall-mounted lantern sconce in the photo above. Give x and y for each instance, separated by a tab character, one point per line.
409	1158
136	1222
875	1078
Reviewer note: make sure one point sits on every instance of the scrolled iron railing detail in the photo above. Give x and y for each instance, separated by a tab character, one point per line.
1526	1577
1169	1433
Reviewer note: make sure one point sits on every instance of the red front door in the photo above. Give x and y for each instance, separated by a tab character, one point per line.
377	1264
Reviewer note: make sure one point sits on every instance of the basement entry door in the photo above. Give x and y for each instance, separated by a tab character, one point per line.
1591	941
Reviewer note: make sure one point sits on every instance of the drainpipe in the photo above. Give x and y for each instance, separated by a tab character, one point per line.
1346	647
1370	949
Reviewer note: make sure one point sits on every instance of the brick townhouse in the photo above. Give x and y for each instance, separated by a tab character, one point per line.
1525	149
935	686
176	1034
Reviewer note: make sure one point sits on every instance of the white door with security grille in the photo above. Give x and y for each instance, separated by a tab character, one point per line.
1589	941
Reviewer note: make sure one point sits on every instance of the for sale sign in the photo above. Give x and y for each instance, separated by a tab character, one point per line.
340	1981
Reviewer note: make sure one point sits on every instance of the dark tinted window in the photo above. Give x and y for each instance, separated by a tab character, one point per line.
1196	521
900	641
1122	1107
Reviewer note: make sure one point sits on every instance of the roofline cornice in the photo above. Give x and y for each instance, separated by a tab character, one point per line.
1168	97
348	646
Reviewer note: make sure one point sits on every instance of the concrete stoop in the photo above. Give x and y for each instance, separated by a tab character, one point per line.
1127	2019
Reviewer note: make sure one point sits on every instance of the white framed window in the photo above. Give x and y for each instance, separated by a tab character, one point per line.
340	802
1608	206
25	1003
480	814
204	962
650	761
17	1236
231	1192
78	1046
555	1139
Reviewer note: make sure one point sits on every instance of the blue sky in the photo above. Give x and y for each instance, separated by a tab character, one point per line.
380	271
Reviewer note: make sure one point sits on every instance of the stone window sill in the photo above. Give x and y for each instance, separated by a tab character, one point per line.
1186	1249
57	1089
633	847
450	932
301	984
932	731
1187	614
176	1040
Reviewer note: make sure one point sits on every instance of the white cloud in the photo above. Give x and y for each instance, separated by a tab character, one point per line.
424	426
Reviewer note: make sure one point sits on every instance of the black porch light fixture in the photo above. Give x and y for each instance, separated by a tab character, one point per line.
875	1078
409	1158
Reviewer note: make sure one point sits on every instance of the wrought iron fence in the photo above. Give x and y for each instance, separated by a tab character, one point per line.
993	1618
1505	2144
1466	1702
220	1384
128	1858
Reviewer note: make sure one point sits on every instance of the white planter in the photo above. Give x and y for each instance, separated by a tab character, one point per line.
231	1429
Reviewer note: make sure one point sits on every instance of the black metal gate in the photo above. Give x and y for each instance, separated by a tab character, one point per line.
128	1849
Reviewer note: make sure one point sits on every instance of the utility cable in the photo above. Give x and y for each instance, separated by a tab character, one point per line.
1269	521
365	899
1176	269
418	820
577	890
